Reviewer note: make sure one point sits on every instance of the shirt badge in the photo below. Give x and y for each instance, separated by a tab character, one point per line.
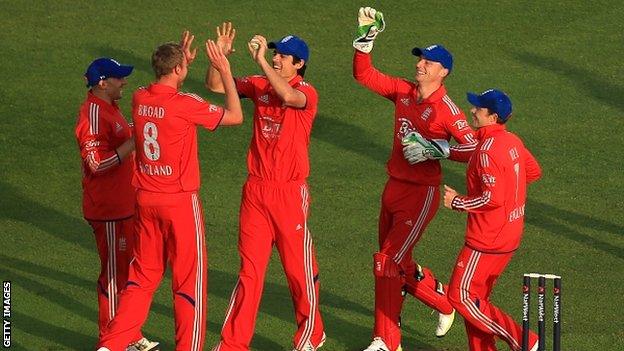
426	113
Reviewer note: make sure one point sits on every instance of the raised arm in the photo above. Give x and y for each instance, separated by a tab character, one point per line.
233	114
289	95
370	24
225	39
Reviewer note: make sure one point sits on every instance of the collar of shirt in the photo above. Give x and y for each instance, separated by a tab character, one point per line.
436	96
161	89
111	107
483	132
295	80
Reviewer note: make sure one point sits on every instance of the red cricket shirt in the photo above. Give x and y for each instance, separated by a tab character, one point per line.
165	122
281	134
435	117
107	192
497	177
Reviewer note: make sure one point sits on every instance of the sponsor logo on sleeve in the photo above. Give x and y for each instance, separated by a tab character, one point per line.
489	180
461	124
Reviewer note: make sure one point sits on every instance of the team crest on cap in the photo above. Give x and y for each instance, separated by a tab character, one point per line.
286	38
431	47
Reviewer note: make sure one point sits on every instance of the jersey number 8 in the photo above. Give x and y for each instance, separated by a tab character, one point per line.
150	144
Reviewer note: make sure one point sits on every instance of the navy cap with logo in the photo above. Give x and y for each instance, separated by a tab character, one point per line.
291	45
437	53
103	68
493	99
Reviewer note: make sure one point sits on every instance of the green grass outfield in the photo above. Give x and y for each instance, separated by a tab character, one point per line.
559	60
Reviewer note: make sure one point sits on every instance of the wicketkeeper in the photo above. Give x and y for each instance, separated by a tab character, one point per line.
425	120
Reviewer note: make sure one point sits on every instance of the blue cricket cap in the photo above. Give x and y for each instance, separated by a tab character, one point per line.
436	53
291	45
105	67
493	99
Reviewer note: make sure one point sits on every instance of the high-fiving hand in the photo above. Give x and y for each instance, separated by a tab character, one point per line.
217	57
225	37
185	43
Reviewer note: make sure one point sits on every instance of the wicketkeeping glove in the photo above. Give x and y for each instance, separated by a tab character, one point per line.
370	23
417	149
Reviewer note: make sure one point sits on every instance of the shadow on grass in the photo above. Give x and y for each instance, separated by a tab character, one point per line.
599	88
349	137
17	207
570	224
276	301
52	331
19	264
259	342
53	296
273	303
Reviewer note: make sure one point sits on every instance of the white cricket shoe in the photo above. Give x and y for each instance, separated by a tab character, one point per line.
308	345
379	345
445	321
142	345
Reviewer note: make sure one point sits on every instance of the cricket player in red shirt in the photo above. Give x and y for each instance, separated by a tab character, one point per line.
496	179
108	198
276	199
170	225
425	120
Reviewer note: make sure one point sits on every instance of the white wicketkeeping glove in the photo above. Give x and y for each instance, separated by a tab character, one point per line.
417	149
370	23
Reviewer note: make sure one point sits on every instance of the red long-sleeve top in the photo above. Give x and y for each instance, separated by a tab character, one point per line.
435	117
497	178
